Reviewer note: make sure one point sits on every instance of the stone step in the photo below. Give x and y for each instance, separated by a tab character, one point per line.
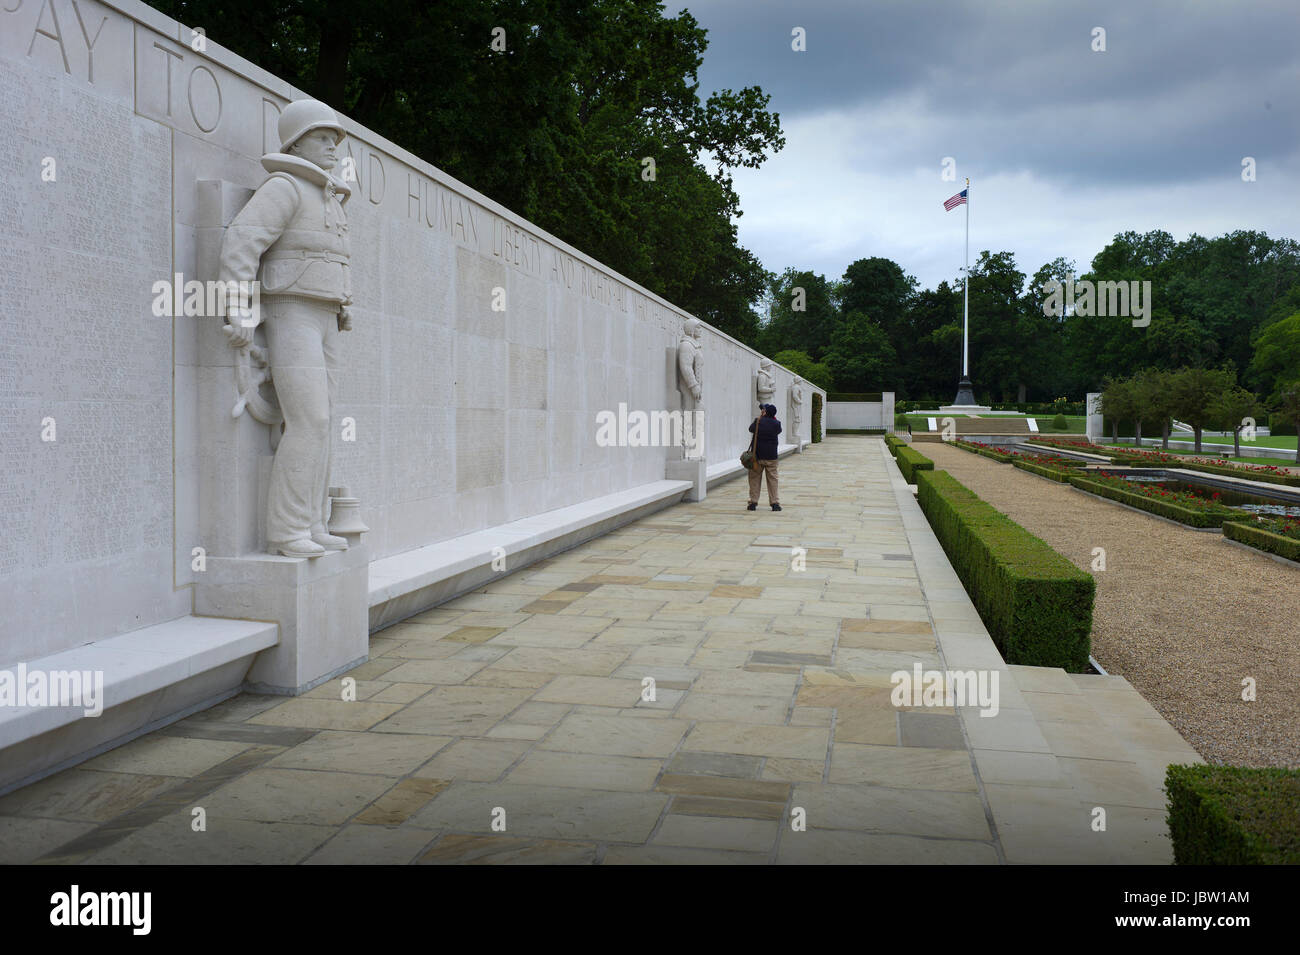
1109	749
964	425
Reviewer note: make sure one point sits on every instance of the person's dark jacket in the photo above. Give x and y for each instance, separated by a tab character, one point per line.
768	429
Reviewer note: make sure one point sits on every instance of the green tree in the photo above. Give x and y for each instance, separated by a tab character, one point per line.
880	288
804	310
927	363
1154	401
1228	286
860	357
1011	341
1118	403
1051	368
1194	392
1175	340
1230	410
803	366
1132	252
1287	405
1096	346
1277	354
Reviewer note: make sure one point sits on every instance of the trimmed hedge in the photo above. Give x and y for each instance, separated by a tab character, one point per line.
1258	537
1053	473
1279	426
1233	815
855	396
1182	515
1000	456
873	431
910	461
924	404
816	418
1036	604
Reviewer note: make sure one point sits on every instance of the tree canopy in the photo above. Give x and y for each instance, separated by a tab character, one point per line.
555	122
1231	301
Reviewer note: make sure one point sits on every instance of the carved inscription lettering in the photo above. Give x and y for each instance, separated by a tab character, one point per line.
440	208
203	97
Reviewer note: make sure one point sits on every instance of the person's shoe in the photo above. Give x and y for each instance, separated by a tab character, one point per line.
752	506
776	507
303	547
330	541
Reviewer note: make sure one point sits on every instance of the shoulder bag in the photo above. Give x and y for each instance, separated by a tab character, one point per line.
747	459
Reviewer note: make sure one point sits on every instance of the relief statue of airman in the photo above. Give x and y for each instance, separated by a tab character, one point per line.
796	405
292	238
765	383
690	384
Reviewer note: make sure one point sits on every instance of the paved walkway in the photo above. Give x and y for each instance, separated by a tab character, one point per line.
510	725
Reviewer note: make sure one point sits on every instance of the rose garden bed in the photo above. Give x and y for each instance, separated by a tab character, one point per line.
1178	506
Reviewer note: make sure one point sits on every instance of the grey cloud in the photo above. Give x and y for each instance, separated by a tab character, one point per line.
1065	147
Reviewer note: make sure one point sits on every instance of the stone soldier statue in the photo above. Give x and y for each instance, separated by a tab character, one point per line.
293	238
796	407
766	385
690	376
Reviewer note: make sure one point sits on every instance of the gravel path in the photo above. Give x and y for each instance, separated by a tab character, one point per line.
1183	615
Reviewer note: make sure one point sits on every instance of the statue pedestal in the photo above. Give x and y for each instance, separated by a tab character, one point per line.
321	605
965	392
693	470
964	403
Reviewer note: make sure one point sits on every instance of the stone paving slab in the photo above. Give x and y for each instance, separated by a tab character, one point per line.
703	686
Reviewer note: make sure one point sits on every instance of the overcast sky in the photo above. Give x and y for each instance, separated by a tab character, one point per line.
1064	146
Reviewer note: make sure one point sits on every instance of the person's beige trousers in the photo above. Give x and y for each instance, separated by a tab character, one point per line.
756	482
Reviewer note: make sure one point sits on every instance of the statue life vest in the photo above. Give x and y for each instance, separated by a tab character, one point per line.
310	257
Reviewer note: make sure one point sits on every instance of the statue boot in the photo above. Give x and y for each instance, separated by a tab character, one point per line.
327	540
305	547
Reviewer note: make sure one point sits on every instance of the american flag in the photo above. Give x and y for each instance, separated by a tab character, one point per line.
955	201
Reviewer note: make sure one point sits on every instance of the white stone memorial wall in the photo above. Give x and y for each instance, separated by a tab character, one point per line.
465	417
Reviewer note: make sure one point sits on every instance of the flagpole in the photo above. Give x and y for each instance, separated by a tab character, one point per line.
965	331
965	391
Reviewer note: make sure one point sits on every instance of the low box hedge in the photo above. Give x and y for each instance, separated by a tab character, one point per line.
870	431
894	443
1246	533
1036	604
911	461
1001	457
1182	515
1054	473
855	396
1233	815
